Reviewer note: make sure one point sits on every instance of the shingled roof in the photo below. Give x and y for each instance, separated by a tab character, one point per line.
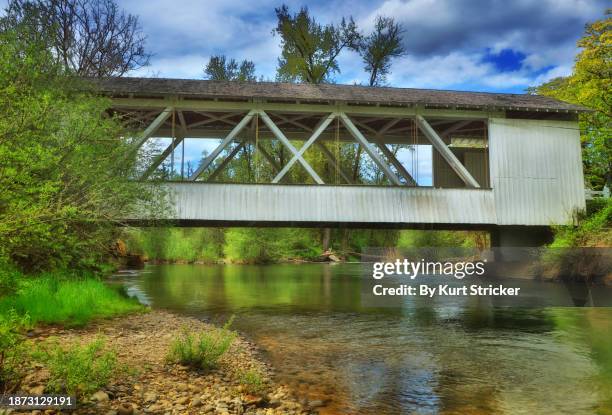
328	93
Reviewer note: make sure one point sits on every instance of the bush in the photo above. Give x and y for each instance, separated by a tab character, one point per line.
78	369
55	298
12	352
253	382
593	230
202	350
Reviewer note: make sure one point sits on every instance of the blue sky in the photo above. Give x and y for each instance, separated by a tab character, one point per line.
483	45
479	45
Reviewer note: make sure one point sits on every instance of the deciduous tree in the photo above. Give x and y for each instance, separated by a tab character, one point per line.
219	68
590	85
91	38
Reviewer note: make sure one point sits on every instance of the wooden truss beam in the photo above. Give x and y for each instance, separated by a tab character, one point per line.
162	156
323	124
150	130
226	161
446	153
228	139
281	137
289	107
368	148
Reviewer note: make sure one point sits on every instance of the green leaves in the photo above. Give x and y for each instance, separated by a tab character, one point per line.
64	174
309	49
590	86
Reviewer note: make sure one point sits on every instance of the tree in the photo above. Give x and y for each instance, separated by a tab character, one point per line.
380	47
220	69
90	38
590	86
309	49
64	174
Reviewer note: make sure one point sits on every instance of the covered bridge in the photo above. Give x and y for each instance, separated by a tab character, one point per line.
493	161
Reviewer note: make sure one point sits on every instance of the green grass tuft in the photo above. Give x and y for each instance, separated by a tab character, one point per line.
70	302
78	369
202	350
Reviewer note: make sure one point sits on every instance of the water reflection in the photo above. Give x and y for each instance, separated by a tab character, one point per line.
422	358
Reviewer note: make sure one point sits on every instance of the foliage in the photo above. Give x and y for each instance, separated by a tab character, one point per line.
12	352
64	166
260	246
9	279
592	230
66	299
78	369
590	86
221	69
310	50
253	382
442	239
378	48
202	350
177	244
87	37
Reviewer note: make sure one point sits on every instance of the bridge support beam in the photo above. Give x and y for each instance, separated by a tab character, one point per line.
444	151
369	149
228	139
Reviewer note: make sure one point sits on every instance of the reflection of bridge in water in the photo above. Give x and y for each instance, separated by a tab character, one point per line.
495	161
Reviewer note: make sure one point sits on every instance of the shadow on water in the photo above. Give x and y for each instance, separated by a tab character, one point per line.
425	358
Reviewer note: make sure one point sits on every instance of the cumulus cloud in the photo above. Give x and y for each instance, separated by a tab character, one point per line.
456	44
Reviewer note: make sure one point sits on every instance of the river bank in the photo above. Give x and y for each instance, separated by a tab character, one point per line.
152	385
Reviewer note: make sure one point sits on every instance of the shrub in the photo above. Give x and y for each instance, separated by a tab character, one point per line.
12	352
253	382
78	369
202	350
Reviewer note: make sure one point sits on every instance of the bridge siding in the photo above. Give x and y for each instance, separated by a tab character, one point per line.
332	204
536	171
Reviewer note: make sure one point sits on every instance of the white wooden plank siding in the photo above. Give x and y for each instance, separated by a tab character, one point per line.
536	171
347	204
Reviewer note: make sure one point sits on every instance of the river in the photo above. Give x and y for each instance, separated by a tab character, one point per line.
470	358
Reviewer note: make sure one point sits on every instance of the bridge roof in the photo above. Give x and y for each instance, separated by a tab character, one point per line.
328	93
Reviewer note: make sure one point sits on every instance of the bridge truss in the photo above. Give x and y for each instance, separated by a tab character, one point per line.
373	128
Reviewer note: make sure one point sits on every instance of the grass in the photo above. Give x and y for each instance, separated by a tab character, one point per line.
253	382
202	350
73	302
78	369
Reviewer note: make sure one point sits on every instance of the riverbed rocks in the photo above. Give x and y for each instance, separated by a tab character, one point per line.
151	385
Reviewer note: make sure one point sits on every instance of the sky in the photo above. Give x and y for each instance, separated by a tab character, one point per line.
479	45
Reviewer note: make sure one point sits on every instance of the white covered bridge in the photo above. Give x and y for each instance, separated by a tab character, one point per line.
492	160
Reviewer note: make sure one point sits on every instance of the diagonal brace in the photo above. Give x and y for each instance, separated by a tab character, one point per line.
446	153
154	126
225	162
323	124
161	157
398	165
281	137
228	139
369	149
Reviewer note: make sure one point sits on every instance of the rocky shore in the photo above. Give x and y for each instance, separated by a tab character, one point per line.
151	385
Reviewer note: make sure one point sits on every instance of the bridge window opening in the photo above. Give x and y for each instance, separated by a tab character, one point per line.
347	149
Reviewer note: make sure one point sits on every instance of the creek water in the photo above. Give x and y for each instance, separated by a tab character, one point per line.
420	358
